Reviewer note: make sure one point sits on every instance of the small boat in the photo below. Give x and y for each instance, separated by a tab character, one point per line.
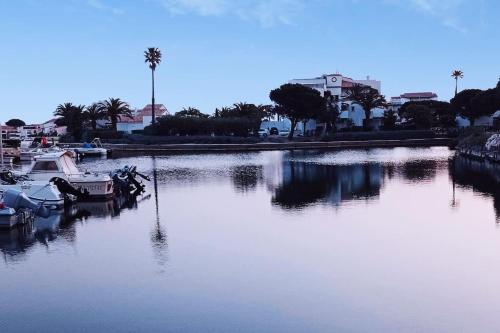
60	164
94	148
16	208
8	216
41	192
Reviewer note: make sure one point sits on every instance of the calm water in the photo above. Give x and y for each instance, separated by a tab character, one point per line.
382	240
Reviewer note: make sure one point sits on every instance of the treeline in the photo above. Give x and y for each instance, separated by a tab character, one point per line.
470	104
77	118
241	119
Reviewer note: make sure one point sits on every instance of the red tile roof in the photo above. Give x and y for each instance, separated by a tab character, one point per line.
160	110
419	95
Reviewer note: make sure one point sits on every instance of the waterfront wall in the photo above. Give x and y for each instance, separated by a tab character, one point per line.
180	148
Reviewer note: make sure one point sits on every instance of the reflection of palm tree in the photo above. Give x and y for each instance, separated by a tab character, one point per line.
158	236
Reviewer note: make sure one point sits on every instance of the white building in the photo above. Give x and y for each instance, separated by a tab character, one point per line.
141	118
50	127
337	84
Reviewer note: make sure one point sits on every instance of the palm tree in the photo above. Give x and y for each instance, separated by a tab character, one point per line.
72	117
457	74
93	113
366	97
153	58
114	109
223	112
191	112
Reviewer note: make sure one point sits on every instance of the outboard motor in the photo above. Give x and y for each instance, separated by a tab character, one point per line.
66	188
18	200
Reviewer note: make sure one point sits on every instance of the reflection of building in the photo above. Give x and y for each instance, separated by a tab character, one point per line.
308	183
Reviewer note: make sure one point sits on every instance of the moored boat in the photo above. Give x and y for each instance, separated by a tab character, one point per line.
61	165
94	148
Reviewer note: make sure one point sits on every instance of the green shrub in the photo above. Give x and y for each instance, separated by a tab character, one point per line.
171	125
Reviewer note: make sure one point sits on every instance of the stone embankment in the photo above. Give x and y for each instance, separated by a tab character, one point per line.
125	149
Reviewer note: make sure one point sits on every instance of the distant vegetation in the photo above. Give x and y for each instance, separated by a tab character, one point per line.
15	123
241	119
77	118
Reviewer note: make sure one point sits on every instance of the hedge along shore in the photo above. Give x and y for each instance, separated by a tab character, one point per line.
141	149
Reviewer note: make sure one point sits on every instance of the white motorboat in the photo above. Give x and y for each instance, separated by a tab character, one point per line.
31	149
94	148
60	164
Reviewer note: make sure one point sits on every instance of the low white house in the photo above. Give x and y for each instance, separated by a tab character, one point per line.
355	115
485	121
141	118
50	126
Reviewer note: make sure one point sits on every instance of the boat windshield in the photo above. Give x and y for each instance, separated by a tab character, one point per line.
45	166
68	165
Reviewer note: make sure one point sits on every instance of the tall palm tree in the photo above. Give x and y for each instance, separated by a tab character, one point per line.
457	74
153	58
114	109
93	113
366	97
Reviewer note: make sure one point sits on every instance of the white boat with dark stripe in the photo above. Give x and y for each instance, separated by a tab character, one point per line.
61	164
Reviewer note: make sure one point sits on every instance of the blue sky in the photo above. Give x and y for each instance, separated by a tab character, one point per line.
218	52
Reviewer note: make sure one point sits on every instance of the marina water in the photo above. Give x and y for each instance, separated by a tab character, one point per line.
378	240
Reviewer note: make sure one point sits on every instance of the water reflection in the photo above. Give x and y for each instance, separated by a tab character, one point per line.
482	177
298	179
304	184
246	177
60	226
158	235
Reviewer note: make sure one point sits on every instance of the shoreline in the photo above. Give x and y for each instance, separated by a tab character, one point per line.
124	149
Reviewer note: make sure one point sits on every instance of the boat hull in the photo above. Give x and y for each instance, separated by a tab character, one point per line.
39	192
98	190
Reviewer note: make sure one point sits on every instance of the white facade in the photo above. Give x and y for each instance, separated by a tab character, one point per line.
50	126
337	84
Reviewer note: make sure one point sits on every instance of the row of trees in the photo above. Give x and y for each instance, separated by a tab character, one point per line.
470	104
239	119
475	103
77	117
294	101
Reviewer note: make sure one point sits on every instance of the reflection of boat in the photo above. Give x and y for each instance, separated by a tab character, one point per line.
16	241
61	165
94	148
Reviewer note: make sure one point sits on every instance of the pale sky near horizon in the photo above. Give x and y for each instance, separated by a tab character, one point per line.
218	52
